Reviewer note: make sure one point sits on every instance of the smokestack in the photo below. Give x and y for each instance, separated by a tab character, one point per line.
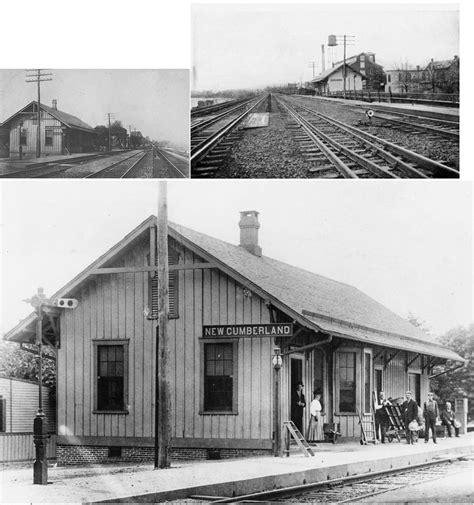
55	104
323	60
249	226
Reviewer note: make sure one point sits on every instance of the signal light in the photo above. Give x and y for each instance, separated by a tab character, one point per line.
65	303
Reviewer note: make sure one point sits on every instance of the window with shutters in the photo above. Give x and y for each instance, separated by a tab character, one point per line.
173	259
219	377
111	372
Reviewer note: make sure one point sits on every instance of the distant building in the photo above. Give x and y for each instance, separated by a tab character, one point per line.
436	77
61	133
444	75
406	80
361	73
332	80
374	75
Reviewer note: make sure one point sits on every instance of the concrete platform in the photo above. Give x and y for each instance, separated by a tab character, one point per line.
444	113
140	483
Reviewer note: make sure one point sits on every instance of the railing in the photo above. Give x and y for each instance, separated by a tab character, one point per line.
20	447
444	99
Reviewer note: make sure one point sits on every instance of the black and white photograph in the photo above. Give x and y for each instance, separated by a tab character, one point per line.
333	331
94	123
325	90
192	310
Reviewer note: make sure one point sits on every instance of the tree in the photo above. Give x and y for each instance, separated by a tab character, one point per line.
21	364
458	384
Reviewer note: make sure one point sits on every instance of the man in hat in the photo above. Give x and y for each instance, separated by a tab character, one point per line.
382	421
409	413
298	403
430	413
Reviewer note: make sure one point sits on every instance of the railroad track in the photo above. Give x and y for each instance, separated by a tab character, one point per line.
124	168
212	139
408	123
48	169
342	150
349	488
211	109
174	168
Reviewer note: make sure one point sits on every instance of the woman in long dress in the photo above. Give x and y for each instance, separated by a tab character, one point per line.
315	428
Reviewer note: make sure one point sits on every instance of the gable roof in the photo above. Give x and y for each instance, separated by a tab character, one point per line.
332	70
316	301
67	119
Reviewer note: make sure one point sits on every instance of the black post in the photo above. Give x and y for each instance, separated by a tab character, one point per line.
40	424
157	396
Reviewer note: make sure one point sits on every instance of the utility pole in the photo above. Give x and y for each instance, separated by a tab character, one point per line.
313	64
334	40
38	77
162	395
109	114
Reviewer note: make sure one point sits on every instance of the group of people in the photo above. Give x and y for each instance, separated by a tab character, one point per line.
298	403
413	418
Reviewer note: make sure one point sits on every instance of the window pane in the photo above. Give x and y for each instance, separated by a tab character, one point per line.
218	382
347	384
110	383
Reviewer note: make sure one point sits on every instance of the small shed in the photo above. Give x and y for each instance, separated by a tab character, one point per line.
18	408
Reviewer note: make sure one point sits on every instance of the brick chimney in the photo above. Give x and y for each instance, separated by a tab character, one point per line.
249	226
55	104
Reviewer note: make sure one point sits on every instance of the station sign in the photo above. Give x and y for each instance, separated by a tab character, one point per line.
248	330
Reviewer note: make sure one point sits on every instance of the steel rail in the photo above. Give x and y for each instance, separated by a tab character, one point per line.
201	125
206	145
417	126
420	160
185	176
100	171
356	158
343	169
365	106
300	489
126	174
202	111
50	164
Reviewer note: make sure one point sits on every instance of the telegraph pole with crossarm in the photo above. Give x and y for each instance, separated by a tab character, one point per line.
38	77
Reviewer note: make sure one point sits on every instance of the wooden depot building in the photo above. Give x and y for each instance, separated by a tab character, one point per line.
230	306
60	133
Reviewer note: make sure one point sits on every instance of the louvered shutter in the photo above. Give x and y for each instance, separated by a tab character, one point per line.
172	289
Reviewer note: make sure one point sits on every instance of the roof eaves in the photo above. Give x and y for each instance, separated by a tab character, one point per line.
84	274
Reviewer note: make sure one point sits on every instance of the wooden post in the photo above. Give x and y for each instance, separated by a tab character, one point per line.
164	404
38	131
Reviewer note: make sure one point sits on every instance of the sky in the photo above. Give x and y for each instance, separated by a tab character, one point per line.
255	45
155	102
407	244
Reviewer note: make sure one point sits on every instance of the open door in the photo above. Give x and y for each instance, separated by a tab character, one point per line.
4	142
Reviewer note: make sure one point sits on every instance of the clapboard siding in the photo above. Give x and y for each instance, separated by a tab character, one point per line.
112	307
22	404
20	447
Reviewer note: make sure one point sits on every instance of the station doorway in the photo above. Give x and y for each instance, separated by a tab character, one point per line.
296	376
4	142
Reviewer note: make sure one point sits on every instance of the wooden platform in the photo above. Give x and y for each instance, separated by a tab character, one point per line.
257	120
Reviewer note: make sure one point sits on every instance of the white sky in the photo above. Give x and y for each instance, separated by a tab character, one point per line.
155	102
245	45
408	244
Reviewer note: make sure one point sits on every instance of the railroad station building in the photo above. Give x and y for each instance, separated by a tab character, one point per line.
230	307
362	73
60	133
